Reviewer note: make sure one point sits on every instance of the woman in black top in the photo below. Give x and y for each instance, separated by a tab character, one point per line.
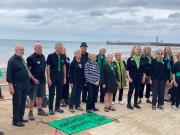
147	58
135	75
159	76
176	80
65	92
110	83
170	61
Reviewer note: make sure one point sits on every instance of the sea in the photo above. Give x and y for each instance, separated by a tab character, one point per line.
7	47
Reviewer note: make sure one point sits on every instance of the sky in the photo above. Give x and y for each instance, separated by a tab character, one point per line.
90	20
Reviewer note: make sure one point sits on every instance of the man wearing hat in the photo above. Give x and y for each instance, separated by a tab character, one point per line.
84	59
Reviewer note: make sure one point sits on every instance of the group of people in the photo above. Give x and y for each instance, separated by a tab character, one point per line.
86	75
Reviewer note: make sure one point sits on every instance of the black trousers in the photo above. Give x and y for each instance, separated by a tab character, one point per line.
19	102
57	85
92	93
65	91
148	90
120	95
135	85
158	89
0	92
84	93
102	93
75	95
175	99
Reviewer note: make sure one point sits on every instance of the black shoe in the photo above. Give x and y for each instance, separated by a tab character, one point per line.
18	124
95	109
129	106
31	116
59	110
89	111
24	121
51	112
1	133
137	106
154	107
148	101
160	107
42	112
101	101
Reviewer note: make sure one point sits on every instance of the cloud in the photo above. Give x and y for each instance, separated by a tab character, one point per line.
175	15
33	18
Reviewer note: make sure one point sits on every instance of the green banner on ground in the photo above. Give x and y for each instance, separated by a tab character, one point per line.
79	123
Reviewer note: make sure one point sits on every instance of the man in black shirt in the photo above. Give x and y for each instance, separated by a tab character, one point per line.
37	64
84	59
56	77
18	77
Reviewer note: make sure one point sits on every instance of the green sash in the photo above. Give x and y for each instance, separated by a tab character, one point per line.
137	60
1	73
59	63
159	59
178	74
121	73
25	66
100	64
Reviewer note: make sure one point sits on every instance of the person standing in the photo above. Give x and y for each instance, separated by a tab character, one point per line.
1	97
56	77
170	61
135	75
18	78
37	64
77	80
110	83
176	80
101	60
92	76
84	59
65	93
147	58
120	67
159	76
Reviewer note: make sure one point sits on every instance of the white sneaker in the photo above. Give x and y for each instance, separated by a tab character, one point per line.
121	102
174	107
113	103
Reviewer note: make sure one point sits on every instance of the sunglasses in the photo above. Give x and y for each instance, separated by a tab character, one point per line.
160	53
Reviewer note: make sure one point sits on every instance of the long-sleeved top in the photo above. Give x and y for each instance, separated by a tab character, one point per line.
17	74
147	65
159	70
134	72
76	72
176	71
92	73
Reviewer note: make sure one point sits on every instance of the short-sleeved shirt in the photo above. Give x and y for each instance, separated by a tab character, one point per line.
37	64
176	70
53	61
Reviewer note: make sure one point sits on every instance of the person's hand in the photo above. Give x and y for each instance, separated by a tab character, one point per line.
11	89
144	79
71	86
104	86
49	82
36	81
96	83
1	97
175	84
65	80
130	80
150	81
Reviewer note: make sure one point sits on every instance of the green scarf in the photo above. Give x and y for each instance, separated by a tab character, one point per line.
112	68
100	64
25	66
1	74
121	73
149	58
159	59
137	60
168	58
59	63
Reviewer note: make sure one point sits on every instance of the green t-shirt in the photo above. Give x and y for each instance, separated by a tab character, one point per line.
1	73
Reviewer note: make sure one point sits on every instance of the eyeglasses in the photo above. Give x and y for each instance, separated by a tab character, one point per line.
160	53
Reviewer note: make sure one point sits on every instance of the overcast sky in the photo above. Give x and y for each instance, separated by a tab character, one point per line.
90	20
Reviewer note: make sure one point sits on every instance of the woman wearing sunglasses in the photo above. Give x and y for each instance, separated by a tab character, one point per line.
159	76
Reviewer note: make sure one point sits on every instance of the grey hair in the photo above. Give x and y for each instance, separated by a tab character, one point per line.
137	46
59	44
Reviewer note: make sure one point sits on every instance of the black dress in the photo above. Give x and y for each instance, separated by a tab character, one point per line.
109	78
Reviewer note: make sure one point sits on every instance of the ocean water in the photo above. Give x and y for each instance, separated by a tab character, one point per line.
7	48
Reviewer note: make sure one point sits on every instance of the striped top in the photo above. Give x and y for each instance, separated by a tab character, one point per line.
92	73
